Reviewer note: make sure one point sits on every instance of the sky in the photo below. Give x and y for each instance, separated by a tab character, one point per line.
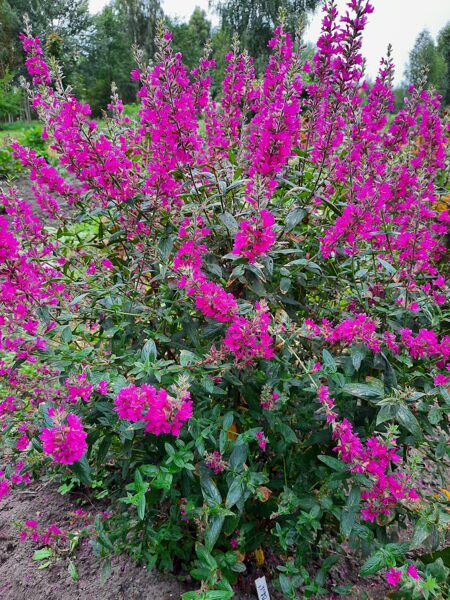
394	21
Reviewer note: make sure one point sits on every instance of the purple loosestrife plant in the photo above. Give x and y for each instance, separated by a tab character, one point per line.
236	328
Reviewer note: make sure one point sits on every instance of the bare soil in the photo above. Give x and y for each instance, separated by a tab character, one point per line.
20	578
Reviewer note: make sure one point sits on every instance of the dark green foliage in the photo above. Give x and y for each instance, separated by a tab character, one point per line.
190	38
254	21
108	58
443	46
427	61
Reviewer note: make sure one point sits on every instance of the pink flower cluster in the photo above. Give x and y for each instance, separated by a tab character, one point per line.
161	413
16	478
395	220
215	462
50	536
394	576
268	398
66	441
373	459
249	339
361	329
256	236
36	66
78	388
246	339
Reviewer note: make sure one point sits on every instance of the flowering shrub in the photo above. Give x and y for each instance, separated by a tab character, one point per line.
239	330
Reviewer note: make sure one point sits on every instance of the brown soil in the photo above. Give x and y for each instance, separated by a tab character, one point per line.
20	578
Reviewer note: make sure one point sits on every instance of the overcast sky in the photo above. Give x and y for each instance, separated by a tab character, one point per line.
394	21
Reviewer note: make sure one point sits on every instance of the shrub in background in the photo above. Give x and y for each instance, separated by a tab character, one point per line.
240	335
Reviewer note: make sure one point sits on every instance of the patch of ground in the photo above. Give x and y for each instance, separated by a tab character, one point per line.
20	579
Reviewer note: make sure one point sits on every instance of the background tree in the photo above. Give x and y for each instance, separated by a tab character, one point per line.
190	38
10	96
426	57
443	44
254	20
140	18
10	57
64	26
107	58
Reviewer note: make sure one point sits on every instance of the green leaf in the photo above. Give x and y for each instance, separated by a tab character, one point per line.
238	456
285	284
72	571
43	553
435	415
165	247
149	350
209	489
229	221
287	433
374	564
328	360
200	573
205	556
82	470
187	358
405	417
362	390
348	519
389	268
422	530
235	493
294	218
141	506
386	412
66	334
103	449
398	550
357	353
219	595
193	596
213	530
333	463
106	571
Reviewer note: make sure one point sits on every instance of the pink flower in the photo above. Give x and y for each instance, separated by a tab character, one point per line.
67	442
262	442
393	576
441	379
107	263
102	387
31	523
4	488
413	572
23	442
160	412
255	237
215	462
